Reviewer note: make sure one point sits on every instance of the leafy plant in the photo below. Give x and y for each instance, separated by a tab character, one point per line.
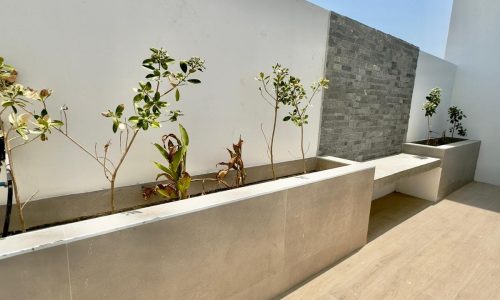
25	125
149	106
299	116
430	107
455	118
174	151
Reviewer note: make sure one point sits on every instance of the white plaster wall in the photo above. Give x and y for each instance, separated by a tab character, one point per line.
90	53
473	44
431	72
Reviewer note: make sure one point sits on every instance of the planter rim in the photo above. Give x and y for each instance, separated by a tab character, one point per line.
67	233
444	147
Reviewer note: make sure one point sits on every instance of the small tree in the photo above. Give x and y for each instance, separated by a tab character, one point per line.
299	115
24	128
430	107
149	105
284	88
455	118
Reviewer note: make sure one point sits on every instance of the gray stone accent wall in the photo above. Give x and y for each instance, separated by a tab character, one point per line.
366	108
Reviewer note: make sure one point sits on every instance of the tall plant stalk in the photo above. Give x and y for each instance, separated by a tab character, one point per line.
280	96
27	127
299	114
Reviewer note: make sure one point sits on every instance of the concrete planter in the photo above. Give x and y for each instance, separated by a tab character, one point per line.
254	242
458	165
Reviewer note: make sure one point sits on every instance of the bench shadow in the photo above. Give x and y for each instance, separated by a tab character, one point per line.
391	210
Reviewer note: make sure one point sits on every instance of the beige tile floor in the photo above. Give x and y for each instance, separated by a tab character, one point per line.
416	250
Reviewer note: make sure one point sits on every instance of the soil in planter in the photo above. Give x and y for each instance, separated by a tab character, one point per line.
439	141
147	203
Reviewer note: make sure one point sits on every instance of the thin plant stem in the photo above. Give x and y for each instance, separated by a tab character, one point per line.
271	154
302	148
115	172
8	149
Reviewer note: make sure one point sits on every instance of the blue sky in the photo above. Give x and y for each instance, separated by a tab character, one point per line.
423	23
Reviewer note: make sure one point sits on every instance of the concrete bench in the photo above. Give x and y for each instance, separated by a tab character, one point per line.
391	170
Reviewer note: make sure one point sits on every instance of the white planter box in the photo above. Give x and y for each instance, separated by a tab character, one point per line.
253	242
458	166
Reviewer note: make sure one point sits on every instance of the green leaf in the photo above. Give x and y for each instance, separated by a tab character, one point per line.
116	123
183	185
195	81
166	170
157	96
7	103
177	95
177	158
162	150
184	135
57	123
133	119
287	118
184	66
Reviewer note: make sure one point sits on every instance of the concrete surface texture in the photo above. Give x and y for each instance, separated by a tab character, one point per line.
472	45
389	171
254	242
366	109
445	251
70	207
458	166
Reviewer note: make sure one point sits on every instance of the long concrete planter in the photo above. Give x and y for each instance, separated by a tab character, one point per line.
458	166
66	208
254	242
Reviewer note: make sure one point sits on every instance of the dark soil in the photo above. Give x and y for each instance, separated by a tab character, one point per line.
439	141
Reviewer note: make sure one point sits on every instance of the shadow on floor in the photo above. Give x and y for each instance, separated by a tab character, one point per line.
392	210
477	194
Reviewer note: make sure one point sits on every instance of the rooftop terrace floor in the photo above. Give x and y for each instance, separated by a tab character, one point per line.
421	250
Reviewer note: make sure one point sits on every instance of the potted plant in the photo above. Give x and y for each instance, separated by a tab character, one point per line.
458	156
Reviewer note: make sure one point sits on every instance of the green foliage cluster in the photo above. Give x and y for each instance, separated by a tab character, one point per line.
456	115
149	101
430	107
20	99
432	103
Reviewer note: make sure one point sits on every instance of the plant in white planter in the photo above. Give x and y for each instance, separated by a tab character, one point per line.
28	119
430	107
149	106
298	115
287	90
456	115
